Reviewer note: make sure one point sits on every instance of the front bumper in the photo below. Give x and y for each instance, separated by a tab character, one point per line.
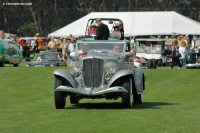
94	92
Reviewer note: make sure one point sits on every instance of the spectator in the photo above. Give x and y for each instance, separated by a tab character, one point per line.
132	42
40	42
2	36
64	49
33	44
186	41
179	39
182	51
116	32
14	39
60	45
174	50
21	43
69	50
70	45
193	43
52	45
102	32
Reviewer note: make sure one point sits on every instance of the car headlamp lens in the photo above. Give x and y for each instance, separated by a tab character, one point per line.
74	67
111	67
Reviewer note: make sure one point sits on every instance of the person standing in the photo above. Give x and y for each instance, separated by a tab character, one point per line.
174	50
132	42
2	36
182	51
52	45
102	31
70	49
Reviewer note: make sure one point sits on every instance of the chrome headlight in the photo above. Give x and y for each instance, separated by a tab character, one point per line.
110	67
75	67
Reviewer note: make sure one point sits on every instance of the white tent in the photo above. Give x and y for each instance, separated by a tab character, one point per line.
137	23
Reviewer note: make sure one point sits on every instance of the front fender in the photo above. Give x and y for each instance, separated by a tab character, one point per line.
67	76
117	76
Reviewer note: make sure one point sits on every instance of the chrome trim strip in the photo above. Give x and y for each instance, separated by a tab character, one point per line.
92	93
193	65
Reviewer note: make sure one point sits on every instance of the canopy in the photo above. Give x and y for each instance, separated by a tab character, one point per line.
137	23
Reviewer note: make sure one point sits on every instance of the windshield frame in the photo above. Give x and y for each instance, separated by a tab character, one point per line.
101	49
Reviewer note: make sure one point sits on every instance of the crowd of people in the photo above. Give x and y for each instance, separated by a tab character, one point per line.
178	49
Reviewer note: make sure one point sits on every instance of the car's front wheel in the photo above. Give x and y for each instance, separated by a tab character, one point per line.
137	98
1	64
59	96
127	97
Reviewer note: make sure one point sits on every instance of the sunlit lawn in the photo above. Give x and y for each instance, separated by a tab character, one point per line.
171	104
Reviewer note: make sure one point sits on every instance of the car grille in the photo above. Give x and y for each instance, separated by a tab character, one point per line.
92	72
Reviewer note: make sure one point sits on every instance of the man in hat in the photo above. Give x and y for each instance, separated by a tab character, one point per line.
102	31
68	47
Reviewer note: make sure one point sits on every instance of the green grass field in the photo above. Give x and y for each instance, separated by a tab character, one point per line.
170	105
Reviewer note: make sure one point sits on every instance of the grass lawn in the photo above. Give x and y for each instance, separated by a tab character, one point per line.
170	105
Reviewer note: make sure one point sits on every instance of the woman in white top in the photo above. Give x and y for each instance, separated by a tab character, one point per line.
182	51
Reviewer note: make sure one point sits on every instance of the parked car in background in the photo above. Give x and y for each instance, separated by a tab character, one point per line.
192	59
44	59
152	52
100	69
193	55
9	54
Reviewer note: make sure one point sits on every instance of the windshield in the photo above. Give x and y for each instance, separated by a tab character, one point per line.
140	48
197	42
149	47
101	47
154	49
46	56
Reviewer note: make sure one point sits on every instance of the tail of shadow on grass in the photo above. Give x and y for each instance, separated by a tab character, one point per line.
118	105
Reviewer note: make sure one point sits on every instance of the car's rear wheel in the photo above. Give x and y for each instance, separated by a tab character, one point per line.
15	65
127	97
154	63
59	96
159	63
149	63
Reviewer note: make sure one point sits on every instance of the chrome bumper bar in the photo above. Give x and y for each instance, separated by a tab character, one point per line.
93	92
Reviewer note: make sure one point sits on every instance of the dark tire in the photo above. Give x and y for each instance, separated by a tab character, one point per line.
137	98
1	64
160	63
127	97
59	96
149	63
15	65
74	99
154	63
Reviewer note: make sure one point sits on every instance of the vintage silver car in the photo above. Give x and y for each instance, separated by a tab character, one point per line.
100	69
